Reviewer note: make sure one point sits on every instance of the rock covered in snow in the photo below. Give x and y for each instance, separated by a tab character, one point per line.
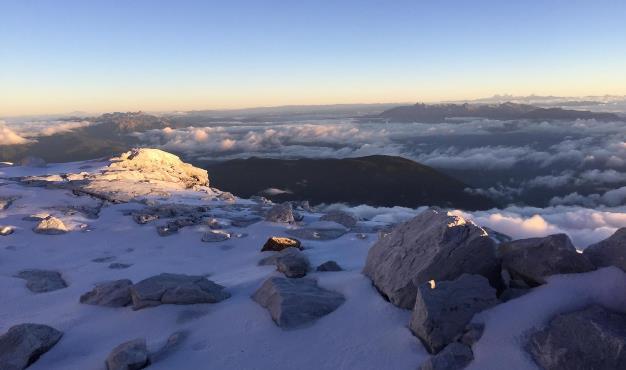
281	213
23	344
432	246
176	289
42	281
343	218
50	226
296	302
593	338
5	202
531	260
329	266
278	243
610	251
455	356
212	236
6	230
131	355
109	294
444	308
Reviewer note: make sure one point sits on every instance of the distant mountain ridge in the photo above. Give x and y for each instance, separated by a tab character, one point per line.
376	180
438	113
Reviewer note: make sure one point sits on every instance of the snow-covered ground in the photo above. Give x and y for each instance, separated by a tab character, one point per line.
366	332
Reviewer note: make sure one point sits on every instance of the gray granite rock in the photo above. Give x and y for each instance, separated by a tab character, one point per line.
329	266
609	252
23	344
444	308
531	260
109	294
176	289
42	281
296	302
293	264
455	356
131	355
343	218
281	213
593	338
144	218
431	246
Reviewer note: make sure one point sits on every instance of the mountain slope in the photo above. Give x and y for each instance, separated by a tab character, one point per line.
375	180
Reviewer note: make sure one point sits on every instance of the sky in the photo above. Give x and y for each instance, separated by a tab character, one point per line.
94	56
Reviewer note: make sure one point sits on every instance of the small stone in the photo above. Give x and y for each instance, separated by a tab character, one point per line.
119	266
103	259
215	236
109	294
278	243
23	344
50	226
142	218
167	230
42	281
6	230
329	266
131	355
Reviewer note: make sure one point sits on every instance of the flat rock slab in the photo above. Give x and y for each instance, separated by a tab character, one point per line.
42	281
176	289
50	226
594	338
109	294
531	260
131	355
278	243
609	252
432	246
296	302
455	356
23	344
443	309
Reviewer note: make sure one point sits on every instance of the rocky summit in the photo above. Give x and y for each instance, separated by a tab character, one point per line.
172	273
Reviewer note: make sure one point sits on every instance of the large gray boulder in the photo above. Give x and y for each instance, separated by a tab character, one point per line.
42	281
343	218
594	338
444	308
531	260
131	355
432	246
455	356
281	213
609	252
176	289
23	344
296	302
50	226
109	294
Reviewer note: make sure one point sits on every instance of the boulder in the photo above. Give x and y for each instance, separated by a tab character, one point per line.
293	264
434	245
343	218
131	355
444	308
593	338
42	281
531	260
271	260
23	344
215	236
296	302
6	230
51	226
278	243
176	289
455	356
609	252
109	294
329	266
281	213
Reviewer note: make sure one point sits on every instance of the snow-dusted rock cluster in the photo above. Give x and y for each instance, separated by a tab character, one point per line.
252	284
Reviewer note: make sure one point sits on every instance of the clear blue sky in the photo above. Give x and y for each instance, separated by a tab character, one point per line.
60	56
